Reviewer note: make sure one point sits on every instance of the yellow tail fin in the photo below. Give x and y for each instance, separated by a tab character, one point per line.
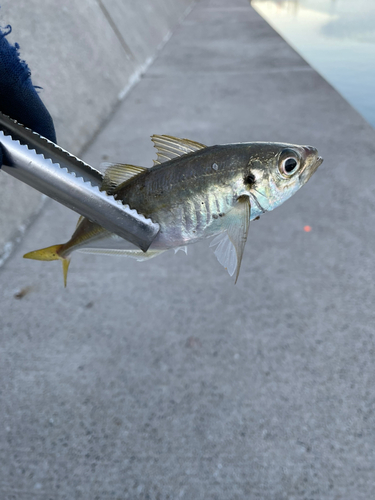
50	253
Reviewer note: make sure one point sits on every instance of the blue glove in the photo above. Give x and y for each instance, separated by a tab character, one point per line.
18	96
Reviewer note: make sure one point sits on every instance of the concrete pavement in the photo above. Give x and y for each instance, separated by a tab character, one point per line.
163	380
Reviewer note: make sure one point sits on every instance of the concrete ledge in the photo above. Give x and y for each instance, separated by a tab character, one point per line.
85	55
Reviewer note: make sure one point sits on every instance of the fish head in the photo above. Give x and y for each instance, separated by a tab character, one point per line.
278	171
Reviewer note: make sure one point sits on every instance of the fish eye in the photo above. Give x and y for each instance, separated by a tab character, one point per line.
289	162
289	165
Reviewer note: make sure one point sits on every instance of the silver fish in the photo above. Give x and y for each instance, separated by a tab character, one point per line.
195	192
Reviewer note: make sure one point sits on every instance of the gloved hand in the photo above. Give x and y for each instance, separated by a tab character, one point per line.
18	97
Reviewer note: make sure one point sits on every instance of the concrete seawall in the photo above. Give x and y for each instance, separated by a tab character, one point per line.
85	55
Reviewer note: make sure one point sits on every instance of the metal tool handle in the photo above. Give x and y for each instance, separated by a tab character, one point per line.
63	177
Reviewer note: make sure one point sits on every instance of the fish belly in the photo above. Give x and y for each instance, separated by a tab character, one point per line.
180	225
187	223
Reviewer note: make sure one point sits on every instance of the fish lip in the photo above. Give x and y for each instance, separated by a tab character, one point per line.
317	163
309	170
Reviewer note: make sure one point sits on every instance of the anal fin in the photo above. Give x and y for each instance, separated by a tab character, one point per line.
121	252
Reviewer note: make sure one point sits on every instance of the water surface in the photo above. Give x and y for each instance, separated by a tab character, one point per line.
336	37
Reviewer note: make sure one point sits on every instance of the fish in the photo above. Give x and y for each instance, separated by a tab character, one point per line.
195	192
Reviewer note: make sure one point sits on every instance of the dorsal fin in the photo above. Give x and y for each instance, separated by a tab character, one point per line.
169	147
118	173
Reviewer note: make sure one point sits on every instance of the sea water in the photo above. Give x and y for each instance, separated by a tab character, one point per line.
336	37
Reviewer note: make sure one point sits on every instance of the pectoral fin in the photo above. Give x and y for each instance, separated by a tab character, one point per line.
230	244
225	252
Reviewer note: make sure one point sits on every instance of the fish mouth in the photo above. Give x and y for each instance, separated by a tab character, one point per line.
312	165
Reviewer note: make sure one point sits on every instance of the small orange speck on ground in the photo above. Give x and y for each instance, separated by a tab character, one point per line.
21	293
307	229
